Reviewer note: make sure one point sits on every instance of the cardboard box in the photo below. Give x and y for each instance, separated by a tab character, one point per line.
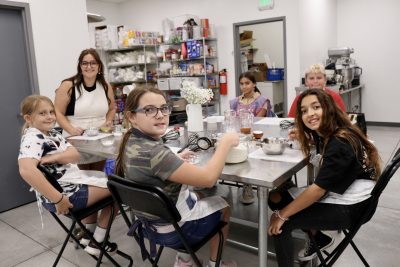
260	76
246	35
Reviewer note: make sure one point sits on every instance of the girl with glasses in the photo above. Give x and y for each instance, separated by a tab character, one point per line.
144	158
86	100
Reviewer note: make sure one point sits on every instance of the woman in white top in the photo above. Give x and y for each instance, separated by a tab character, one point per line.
85	100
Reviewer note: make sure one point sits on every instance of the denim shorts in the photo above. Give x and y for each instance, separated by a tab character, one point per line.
194	231
79	199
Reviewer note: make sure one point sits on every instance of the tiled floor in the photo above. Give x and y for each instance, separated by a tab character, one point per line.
23	241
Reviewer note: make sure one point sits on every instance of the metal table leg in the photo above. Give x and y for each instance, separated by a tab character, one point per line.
262	226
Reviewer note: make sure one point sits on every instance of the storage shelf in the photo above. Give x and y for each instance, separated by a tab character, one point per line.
189	59
123	65
188	40
130	82
130	48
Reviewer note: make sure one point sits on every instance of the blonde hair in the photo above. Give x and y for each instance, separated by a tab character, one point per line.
315	68
30	104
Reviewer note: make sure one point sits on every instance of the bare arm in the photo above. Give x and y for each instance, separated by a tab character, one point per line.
71	155
111	107
207	175
61	102
31	174
262	113
309	196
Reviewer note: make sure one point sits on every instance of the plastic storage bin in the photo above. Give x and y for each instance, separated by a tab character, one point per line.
276	74
109	167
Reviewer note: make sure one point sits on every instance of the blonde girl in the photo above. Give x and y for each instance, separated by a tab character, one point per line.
40	144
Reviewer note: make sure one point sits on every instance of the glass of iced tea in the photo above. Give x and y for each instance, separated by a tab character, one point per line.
245	121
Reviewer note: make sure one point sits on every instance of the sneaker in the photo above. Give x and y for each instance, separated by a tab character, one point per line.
227	264
110	248
181	263
247	196
82	237
323	240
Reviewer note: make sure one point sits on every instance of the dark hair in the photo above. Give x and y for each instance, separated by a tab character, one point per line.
249	75
334	122
77	79
131	104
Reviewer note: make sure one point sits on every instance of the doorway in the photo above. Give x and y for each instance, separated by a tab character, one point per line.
18	79
258	45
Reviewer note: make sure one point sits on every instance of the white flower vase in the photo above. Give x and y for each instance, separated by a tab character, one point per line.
195	118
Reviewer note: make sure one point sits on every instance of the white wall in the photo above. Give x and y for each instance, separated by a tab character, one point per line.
268	39
318	20
108	10
371	28
59	34
147	16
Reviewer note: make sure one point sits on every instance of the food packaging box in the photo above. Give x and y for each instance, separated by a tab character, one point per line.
175	83
163	84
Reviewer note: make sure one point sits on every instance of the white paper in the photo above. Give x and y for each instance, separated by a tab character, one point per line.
85	137
273	121
174	149
289	155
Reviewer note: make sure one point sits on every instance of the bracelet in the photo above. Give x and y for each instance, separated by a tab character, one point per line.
277	214
62	196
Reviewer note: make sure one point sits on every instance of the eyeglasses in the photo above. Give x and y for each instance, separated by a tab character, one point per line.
152	111
87	64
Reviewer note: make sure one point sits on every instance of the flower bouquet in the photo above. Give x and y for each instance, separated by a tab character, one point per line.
195	95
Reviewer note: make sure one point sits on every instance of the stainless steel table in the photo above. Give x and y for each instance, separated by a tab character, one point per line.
263	174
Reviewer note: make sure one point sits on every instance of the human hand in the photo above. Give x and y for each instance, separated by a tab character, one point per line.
232	139
293	134
186	154
275	225
76	131
64	205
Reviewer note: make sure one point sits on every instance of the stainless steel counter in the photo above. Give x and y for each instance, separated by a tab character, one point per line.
263	174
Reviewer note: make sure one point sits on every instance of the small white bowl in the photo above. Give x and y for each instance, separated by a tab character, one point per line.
107	141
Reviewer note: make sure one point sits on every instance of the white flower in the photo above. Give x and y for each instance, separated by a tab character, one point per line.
195	95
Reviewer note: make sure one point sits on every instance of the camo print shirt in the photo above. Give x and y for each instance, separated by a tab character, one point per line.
149	161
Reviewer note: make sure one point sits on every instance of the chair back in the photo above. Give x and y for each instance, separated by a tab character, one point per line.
144	200
50	177
386	175
388	172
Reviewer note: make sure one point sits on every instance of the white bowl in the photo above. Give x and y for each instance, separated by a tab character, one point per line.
107	141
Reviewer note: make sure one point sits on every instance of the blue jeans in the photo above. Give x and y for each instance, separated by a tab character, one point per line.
79	199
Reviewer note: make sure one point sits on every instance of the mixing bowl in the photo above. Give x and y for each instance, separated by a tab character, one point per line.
273	146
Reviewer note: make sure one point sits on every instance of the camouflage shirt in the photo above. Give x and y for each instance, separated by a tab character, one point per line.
149	161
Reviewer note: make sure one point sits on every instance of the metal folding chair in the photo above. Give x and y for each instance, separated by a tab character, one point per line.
147	200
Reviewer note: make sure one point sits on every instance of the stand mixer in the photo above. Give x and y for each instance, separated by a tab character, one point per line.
342	68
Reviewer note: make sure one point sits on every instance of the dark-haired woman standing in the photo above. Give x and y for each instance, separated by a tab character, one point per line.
85	100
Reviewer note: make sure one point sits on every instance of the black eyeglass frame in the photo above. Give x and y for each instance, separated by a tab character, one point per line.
143	110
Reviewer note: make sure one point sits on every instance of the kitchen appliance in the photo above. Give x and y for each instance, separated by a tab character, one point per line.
345	68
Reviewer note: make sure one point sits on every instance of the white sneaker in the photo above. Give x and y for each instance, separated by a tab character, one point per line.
181	263
247	196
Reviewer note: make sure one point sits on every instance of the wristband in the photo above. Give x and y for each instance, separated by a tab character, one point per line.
277	214
62	196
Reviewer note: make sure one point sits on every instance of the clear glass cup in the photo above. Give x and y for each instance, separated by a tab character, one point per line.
230	120
245	121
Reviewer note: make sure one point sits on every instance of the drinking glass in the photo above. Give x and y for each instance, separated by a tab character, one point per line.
230	120
245	121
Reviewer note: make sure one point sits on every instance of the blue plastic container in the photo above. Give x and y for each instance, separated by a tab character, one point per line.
276	74
109	167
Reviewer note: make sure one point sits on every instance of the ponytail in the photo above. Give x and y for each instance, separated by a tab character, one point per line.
257	90
119	164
